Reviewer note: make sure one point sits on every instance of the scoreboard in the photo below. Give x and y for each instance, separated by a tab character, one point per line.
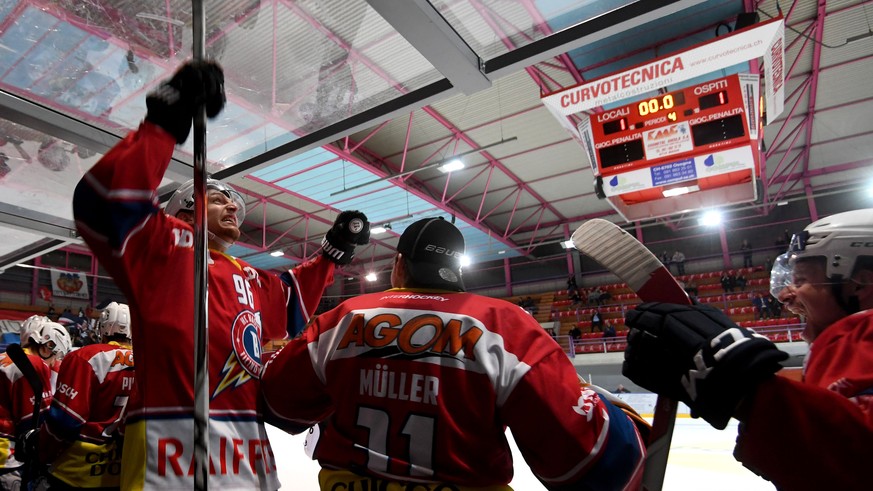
701	137
693	120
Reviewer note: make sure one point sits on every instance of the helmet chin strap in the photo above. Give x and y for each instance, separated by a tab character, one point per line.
225	245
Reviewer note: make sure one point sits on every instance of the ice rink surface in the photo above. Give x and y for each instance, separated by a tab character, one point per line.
700	458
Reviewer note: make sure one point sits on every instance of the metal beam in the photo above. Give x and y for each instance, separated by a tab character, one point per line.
429	33
38	223
69	129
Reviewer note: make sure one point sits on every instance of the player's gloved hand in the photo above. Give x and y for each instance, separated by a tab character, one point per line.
350	228
696	354
172	104
26	446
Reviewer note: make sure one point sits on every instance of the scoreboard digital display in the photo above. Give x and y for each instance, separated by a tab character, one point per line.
670	127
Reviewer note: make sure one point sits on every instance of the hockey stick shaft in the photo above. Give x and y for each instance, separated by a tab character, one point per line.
201	260
632	262
22	362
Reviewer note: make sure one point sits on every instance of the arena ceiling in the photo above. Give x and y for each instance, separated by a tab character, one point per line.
353	104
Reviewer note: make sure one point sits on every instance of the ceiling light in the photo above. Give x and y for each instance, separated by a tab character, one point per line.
501	251
678	191
711	218
378	229
371	276
465	261
782	203
451	165
568	244
277	253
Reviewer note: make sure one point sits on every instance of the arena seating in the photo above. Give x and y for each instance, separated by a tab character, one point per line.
736	304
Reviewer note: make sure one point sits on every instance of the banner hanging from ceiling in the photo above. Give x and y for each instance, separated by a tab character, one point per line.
69	284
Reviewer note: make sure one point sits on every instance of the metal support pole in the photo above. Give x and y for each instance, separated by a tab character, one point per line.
201	289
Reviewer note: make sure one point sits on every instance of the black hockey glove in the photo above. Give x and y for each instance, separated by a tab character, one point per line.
172	104
696	354
26	446
350	228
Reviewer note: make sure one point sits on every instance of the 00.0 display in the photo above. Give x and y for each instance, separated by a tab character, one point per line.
660	103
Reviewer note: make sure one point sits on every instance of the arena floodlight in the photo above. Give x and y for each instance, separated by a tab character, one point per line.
711	218
451	165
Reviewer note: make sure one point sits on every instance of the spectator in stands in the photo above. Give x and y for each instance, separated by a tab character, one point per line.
597	320
726	283
608	329
621	390
768	263
691	289
596	296
746	249
679	260
774	308
665	258
489	357
575	297
741	281
761	309
575	333
571	283
825	420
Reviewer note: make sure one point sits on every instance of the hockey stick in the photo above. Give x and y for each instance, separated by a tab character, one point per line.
22	362
622	254
201	273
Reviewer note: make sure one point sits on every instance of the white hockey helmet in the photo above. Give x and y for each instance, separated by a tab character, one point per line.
115	319
31	325
840	238
52	332
183	198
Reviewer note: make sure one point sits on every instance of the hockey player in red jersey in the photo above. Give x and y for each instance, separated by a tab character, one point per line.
809	434
416	385
80	436
150	256
43	342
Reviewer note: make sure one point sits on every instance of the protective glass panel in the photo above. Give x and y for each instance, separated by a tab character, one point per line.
291	68
39	172
495	27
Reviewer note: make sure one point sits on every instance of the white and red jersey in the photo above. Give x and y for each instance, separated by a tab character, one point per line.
818	433
17	404
150	255
79	437
420	385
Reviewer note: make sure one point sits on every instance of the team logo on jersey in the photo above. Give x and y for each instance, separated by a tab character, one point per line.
246	340
246	337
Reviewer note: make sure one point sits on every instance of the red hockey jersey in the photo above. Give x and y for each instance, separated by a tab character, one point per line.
818	433
79	437
150	256
420	385
16	404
